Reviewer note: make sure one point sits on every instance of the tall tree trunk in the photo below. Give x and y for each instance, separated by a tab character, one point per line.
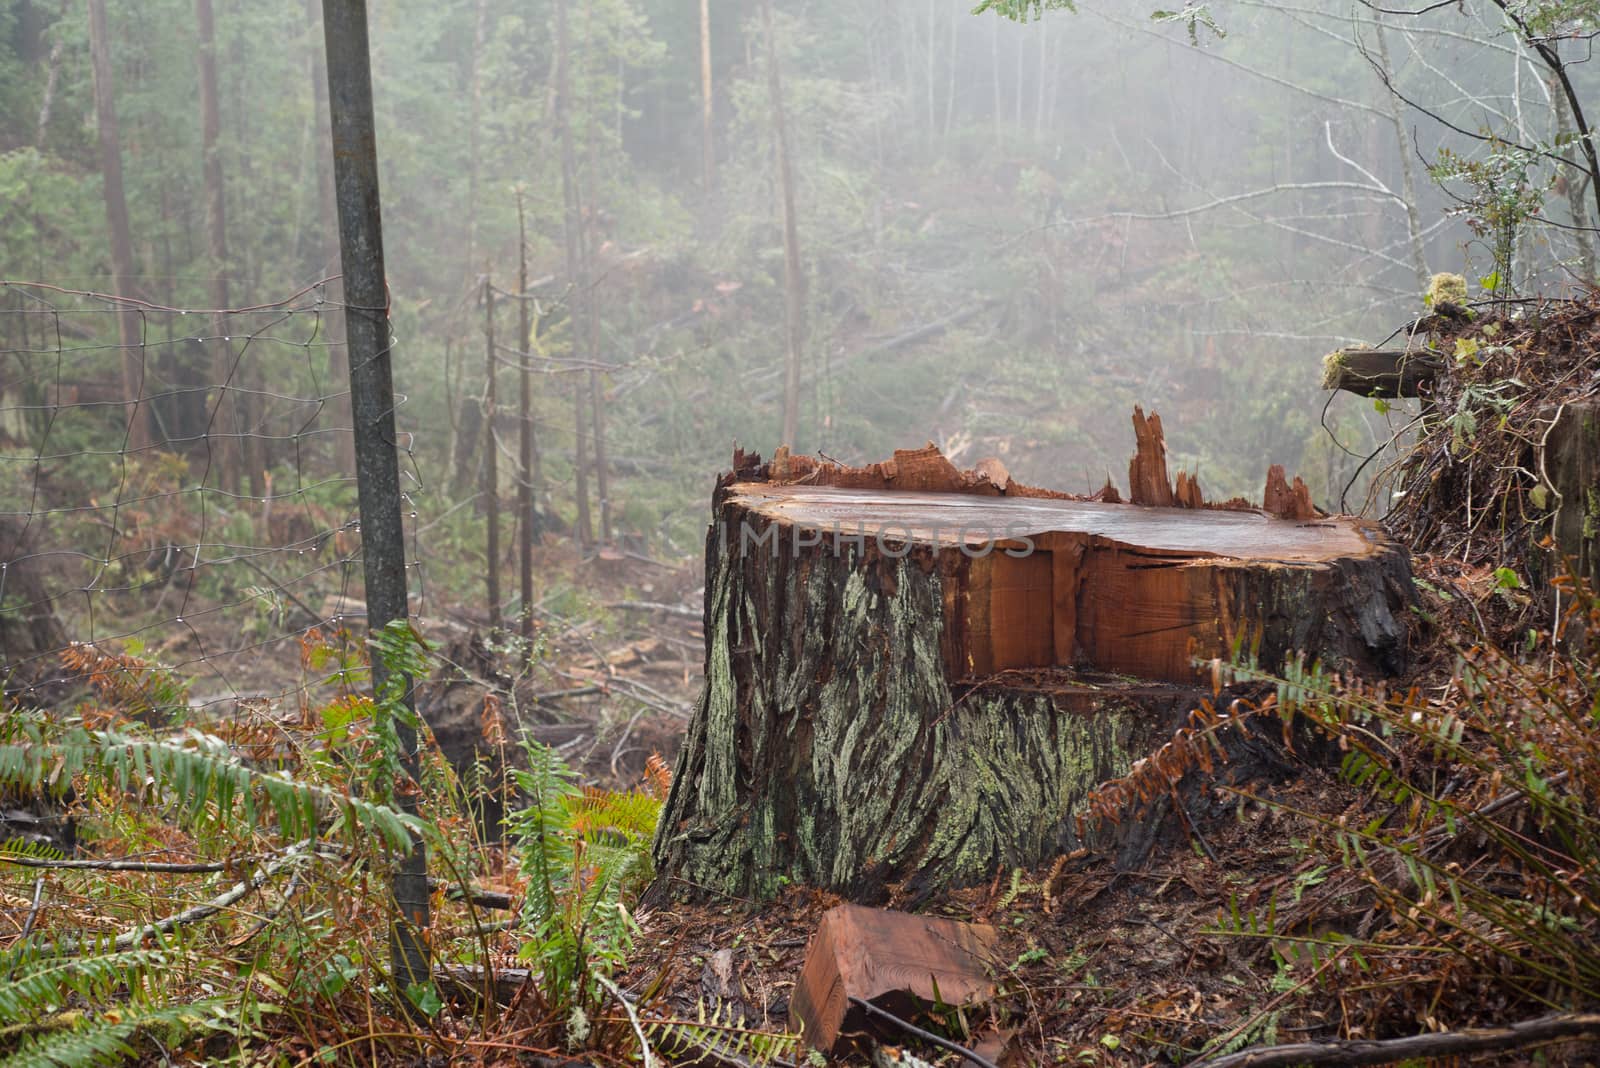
228	423
602	478
48	97
1038	90
929	54
491	459
794	282
1576	205
474	151
577	283
140	429
994	62
588	247
183	373
527	448
1408	177
950	75
708	145
344	447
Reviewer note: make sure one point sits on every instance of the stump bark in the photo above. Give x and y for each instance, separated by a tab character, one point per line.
912	686
1572	462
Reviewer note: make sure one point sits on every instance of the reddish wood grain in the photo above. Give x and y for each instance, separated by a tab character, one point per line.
894	959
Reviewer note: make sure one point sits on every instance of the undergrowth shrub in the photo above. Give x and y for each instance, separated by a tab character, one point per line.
1468	880
285	830
585	854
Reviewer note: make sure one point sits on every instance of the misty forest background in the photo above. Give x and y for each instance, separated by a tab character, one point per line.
1010	233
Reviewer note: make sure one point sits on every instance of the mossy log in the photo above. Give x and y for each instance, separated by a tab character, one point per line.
1387	373
914	687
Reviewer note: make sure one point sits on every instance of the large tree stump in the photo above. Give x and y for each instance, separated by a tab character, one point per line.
917	685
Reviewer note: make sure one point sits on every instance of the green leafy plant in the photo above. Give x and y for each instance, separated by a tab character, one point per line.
1501	198
271	800
39	984
585	853
1523	915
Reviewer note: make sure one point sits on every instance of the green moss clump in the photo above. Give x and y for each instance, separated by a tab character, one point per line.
1444	287
1333	365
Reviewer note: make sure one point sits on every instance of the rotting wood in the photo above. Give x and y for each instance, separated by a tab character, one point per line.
1387	373
1569	457
914	675
900	962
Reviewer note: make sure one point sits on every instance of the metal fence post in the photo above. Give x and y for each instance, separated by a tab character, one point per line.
355	173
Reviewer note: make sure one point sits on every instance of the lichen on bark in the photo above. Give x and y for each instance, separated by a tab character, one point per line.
829	748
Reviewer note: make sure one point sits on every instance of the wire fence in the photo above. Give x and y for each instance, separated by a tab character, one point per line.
175	482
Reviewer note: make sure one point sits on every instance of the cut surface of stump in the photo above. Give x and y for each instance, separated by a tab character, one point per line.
1041	582
912	687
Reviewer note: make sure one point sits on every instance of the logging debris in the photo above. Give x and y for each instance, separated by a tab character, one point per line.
901	963
1498	458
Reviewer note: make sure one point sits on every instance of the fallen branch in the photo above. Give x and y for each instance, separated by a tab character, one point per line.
633	1018
652	606
487	899
235	894
232	896
1441	1044
175	868
927	1036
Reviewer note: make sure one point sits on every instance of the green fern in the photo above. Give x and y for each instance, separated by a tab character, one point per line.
204	782
584	853
37	984
30	849
108	1039
715	1036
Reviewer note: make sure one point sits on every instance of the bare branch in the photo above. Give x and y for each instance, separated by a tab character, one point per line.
1444	1044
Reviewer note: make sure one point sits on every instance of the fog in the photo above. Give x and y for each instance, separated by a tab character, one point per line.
1008	233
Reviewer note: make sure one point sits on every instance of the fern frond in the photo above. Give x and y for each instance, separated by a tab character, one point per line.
657	777
39	985
131	683
30	848
715	1037
107	1039
597	814
207	784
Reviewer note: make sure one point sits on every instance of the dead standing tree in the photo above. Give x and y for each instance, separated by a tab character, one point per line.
913	674
233	413
491	457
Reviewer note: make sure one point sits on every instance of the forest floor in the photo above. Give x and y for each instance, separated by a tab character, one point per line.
1361	861
1106	962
